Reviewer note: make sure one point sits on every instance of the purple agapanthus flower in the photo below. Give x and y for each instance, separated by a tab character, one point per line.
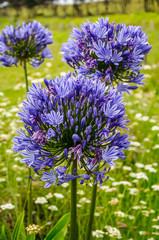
25	42
109	52
77	120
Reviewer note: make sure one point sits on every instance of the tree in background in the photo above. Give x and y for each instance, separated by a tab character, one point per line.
124	4
54	7
106	3
157	1
88	8
31	4
149	5
146	5
64	7
76	8
16	4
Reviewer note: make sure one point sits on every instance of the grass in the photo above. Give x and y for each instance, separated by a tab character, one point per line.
142	108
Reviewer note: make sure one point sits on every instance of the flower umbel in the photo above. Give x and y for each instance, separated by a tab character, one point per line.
112	53
72	119
25	42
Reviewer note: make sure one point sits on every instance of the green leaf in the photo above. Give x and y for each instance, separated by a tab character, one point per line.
61	235
22	232
58	227
17	229
31	237
3	234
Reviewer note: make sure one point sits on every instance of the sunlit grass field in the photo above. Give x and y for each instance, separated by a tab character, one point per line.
129	200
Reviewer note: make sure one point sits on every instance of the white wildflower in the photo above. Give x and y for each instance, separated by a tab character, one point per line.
48	223
104	187
65	185
59	195
7	206
155	233
154	164
48	64
111	179
146	139
147	75
155	187
152	211
5	136
133	191
136	207
156	146
97	233
2	180
41	200
145	213
63	74
14	109
84	200
155	219
138	115
155	128
9	151
19	179
113	201
144	118
132	174
120	214
135	144
147	67
49	195
111	190
139	165
96	214
141	175
80	192
79	205
152	120
113	232
125	183
150	168
53	208
142	232
126	168
143	202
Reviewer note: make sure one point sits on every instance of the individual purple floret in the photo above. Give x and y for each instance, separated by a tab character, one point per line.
109	52
72	119
26	42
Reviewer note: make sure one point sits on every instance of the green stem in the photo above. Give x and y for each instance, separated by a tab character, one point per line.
73	225
91	213
30	203
25	75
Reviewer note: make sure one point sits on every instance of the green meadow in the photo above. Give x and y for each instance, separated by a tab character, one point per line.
127	204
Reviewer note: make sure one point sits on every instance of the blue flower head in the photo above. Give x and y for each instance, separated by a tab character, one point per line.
72	119
109	52
25	42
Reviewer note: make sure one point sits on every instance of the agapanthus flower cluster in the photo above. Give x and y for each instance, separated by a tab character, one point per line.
112	53
72	119
26	42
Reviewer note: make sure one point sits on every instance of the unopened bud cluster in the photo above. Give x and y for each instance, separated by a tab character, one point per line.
33	229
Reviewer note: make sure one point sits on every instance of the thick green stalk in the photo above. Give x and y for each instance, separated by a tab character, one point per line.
30	204
91	213
25	75
73	225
